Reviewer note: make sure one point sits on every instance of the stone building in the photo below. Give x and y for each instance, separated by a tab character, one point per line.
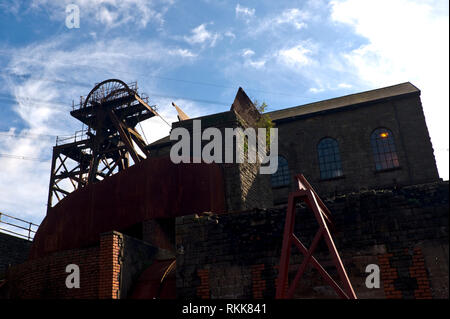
370	140
368	155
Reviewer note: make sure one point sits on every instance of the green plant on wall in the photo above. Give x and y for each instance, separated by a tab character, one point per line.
265	121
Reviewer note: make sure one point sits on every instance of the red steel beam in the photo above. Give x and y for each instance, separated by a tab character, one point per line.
323	217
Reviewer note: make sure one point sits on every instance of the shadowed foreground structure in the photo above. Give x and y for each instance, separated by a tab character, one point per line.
161	230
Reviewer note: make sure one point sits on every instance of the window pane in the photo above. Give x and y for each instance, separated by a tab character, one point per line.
383	147
282	176
329	158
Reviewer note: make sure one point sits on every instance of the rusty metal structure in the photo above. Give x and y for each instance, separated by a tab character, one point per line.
108	142
306	194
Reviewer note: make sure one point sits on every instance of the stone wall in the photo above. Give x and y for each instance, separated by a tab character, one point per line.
404	231
352	127
242	181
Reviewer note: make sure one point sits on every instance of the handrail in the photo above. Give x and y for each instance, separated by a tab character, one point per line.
13	230
131	85
78	136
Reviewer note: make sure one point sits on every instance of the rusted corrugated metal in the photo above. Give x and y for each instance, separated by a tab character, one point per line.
153	188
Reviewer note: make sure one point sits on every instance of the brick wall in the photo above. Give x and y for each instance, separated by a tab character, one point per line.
107	271
45	278
13	250
110	263
404	231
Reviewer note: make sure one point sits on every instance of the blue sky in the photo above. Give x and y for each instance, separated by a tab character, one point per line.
197	54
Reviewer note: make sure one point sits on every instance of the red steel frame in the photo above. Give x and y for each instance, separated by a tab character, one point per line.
307	194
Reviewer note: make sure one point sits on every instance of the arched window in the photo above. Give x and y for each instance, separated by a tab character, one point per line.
282	177
383	148
329	158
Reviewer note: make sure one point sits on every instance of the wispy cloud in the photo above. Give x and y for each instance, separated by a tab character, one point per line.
247	52
43	78
11	6
297	56
182	53
244	12
292	17
110	13
345	86
259	63
316	90
200	35
230	35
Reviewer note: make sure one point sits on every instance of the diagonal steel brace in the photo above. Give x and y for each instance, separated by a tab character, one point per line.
307	194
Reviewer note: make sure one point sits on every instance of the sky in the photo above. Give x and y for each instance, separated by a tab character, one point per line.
197	54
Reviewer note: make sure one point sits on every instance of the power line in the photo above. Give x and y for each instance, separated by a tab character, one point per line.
81	84
28	135
202	83
19	157
18	99
11	98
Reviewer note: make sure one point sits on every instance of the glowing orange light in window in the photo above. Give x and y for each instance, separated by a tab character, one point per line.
384	135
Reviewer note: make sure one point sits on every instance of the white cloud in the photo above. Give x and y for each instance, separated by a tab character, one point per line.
182	53
107	17
297	56
293	16
111	13
201	36
243	12
248	53
257	64
13	6
407	41
345	86
316	90
289	17
230	35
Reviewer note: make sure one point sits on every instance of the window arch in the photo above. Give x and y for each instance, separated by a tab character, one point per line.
329	158
282	177
383	147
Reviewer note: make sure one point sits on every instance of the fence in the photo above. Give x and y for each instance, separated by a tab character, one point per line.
78	136
17	226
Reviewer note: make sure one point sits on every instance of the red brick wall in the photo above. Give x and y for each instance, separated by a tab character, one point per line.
111	253
258	283
388	275
203	288
418	271
46	277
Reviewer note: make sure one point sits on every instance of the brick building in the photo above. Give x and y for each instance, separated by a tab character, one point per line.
368	155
